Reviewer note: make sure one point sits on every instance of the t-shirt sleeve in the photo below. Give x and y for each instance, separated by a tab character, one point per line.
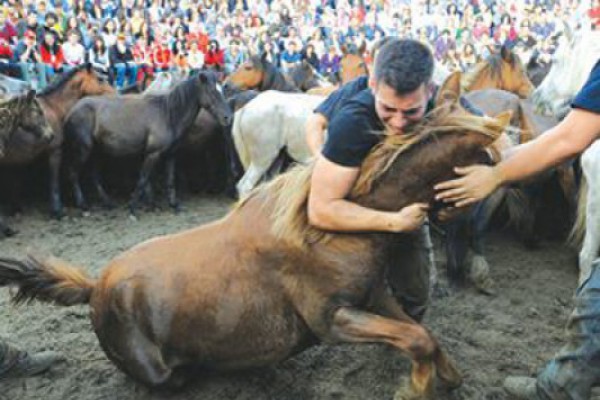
349	139
588	97
336	100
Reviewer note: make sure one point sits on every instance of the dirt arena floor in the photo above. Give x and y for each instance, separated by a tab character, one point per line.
489	337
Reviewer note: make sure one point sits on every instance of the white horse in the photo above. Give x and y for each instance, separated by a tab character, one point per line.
572	63
270	122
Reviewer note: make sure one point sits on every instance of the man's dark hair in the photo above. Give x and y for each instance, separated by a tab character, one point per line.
404	65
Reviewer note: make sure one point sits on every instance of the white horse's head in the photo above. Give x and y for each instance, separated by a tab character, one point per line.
572	63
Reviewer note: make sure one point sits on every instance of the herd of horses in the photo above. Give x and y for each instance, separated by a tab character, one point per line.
261	284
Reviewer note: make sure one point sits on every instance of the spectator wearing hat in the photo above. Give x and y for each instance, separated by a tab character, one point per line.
30	59
52	55
121	59
73	51
7	66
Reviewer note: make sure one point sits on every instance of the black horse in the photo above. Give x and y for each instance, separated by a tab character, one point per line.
150	125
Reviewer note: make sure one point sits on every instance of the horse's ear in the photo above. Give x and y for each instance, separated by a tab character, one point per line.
568	31
202	77
344	49
506	53
88	67
450	89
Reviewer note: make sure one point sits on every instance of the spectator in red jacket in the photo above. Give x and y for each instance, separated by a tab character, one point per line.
594	14
215	58
7	31
52	55
162	58
7	66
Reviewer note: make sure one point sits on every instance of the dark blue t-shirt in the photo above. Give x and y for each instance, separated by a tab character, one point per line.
335	100
588	97
354	130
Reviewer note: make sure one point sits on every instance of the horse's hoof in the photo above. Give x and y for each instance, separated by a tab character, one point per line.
133	217
57	215
177	209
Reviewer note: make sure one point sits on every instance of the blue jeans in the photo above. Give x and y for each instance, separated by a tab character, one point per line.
40	71
126	69
572	373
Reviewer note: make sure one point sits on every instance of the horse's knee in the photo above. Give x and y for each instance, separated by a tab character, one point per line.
422	346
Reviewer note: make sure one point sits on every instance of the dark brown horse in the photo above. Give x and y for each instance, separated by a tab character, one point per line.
259	74
17	115
148	125
56	101
261	285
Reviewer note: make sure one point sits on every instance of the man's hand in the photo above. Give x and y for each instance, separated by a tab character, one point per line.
409	218
477	182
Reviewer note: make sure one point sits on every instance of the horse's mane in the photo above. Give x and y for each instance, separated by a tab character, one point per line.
289	211
9	111
180	97
491	65
62	81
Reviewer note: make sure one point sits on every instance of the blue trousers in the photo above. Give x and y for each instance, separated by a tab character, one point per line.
572	373
123	70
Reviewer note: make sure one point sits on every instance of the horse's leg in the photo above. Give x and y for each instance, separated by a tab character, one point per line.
170	176
235	170
352	325
107	202
54	160
251	178
76	165
147	167
590	164
481	216
566	179
457	246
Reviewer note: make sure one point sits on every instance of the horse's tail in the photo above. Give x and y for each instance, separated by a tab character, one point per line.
578	231
238	138
46	279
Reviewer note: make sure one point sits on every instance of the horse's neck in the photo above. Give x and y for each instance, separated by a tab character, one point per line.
60	101
183	105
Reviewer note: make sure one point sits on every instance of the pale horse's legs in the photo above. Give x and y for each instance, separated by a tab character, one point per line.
590	164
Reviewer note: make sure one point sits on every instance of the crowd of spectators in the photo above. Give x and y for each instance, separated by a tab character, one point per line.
132	39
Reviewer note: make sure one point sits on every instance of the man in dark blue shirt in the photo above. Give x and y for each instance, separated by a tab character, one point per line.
399	91
572	373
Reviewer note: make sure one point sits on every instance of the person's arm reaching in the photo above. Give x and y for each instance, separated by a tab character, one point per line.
328	208
567	139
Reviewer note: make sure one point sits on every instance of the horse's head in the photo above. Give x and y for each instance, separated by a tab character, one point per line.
352	66
90	83
212	99
31	117
407	167
304	77
502	70
249	75
514	76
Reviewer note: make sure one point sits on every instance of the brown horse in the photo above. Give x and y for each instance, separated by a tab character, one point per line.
259	74
260	285
503	70
352	66
56	101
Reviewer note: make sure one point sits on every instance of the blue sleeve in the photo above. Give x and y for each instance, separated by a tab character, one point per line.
588	97
337	99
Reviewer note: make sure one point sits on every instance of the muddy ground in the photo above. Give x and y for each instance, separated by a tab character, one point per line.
489	337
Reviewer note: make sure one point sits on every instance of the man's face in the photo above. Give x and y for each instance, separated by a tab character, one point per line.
398	112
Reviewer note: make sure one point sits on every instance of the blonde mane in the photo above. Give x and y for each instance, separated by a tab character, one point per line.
289	211
470	78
